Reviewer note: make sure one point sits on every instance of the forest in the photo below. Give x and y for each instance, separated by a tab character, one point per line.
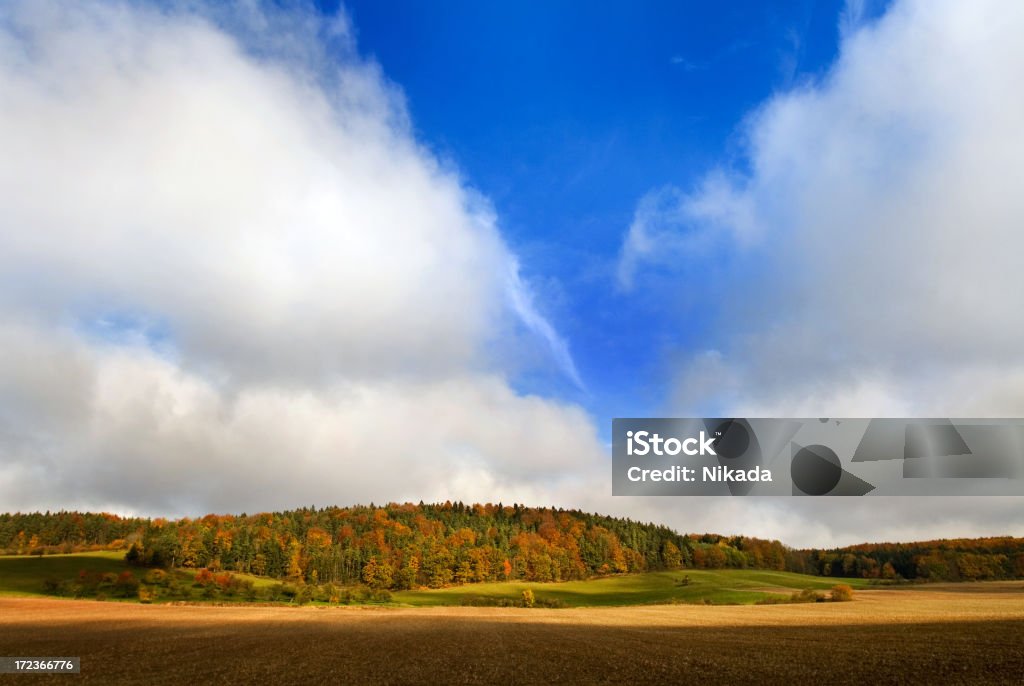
403	546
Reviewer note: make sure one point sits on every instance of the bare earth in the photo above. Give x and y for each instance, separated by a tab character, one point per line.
964	635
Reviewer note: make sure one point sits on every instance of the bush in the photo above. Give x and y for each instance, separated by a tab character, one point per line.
842	593
156	577
126	585
204	577
332	593
485	601
304	595
808	595
225	581
528	598
550	602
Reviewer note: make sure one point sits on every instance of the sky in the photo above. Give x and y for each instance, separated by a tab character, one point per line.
257	256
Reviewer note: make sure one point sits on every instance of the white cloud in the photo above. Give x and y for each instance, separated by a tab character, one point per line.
124	425
879	227
672	229
230	278
280	229
869	262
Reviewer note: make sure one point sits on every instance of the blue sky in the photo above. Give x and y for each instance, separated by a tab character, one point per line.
335	255
564	119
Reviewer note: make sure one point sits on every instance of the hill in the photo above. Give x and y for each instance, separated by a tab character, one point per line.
396	546
405	546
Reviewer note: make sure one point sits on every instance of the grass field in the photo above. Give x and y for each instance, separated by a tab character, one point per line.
727	586
883	636
24	575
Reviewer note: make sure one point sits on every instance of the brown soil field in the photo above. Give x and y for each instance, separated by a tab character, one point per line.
961	636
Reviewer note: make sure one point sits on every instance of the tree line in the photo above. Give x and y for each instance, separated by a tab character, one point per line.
959	559
400	546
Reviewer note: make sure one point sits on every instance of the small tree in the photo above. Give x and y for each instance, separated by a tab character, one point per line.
842	593
126	585
528	598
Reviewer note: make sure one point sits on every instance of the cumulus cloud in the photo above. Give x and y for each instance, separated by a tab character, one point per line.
123	425
281	231
230	277
870	250
878	228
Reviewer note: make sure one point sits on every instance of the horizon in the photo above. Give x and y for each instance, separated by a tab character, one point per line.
690	534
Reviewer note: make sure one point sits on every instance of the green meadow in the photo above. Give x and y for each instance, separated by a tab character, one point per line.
725	586
23	575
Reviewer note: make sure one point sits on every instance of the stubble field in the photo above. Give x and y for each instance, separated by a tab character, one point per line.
970	634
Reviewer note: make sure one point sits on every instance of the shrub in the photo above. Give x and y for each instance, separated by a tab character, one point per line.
808	595
528	598
204	577
126	585
304	595
550	602
841	593
332	593
156	577
225	581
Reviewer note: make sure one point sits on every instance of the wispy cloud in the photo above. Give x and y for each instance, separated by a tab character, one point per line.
687	65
